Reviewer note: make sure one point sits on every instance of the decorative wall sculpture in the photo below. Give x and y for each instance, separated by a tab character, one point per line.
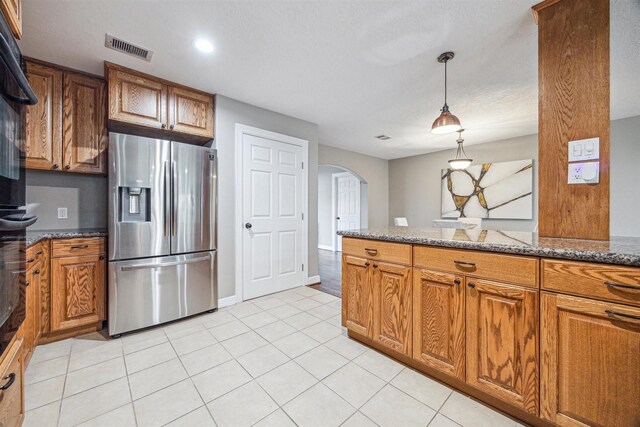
492	190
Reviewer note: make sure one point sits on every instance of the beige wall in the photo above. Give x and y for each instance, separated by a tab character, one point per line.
228	113
414	182
373	170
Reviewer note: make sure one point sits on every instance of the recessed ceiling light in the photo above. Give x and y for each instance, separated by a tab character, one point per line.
203	45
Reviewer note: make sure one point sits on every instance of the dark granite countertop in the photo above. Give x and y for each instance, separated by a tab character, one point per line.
617	250
36	236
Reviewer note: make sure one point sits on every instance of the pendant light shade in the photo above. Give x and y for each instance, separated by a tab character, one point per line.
461	161
446	122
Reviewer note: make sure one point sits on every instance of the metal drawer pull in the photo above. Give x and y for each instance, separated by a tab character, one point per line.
465	264
39	253
79	246
367	264
11	377
375	265
472	285
622	285
457	282
30	260
628	316
166	264
371	251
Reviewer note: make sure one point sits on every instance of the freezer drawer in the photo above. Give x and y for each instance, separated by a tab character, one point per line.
151	291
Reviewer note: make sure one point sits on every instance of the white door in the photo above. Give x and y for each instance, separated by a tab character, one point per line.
347	204
272	209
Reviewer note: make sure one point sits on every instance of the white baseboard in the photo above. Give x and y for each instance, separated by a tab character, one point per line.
225	302
326	248
312	280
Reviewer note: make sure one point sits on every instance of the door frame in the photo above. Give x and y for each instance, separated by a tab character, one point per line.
334	205
242	130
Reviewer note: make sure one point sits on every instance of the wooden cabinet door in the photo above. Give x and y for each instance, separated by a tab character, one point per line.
392	311
11	377
12	11
357	295
84	124
31	323
590	373
438	321
190	112
77	291
137	100
44	120
501	331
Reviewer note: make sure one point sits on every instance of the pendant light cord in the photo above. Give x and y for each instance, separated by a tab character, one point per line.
445	82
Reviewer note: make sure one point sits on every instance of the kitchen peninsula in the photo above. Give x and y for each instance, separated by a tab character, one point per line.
521	322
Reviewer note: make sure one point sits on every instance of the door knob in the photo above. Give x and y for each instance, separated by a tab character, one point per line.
248	225
338	218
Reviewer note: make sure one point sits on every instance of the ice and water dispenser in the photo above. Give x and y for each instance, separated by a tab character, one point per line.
135	204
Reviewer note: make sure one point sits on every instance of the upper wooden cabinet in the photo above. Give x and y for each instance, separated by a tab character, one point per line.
12	11
392	290
502	341
438	321
44	120
66	130
591	372
84	124
162	108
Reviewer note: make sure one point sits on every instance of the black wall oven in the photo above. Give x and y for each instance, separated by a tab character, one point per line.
15	95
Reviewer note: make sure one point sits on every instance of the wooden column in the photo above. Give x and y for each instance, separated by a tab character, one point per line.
573	79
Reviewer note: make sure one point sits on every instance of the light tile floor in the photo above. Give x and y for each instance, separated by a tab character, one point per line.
280	360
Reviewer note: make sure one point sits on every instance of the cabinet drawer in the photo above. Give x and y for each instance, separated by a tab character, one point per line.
504	268
399	253
607	282
11	399
75	247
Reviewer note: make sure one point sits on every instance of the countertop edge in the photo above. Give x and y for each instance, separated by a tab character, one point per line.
566	254
34	237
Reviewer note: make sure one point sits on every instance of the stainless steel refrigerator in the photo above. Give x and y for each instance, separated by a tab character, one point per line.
162	231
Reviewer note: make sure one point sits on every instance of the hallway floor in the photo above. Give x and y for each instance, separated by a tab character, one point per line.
330	270
280	360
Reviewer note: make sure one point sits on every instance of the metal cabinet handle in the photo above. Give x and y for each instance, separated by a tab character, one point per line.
163	126
55	166
30	260
101	257
622	285
465	264
375	265
79	246
371	251
36	271
11	377
174	202
67	167
457	282
165	198
171	127
471	285
166	264
367	264
625	315
38	253
27	283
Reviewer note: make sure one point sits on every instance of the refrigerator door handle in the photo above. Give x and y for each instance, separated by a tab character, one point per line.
166	264
165	198
174	213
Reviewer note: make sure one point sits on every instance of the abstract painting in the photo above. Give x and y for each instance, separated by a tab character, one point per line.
491	190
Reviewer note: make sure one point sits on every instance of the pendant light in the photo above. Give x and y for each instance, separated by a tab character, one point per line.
446	122
461	161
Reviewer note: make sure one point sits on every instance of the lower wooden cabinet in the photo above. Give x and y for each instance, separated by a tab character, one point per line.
77	291
590	373
438	321
11	386
392	310
357	297
31	325
502	341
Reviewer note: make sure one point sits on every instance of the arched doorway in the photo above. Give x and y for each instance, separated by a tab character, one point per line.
342	204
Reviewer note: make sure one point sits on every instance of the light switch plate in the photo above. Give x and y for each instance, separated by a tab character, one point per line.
584	149
584	173
62	213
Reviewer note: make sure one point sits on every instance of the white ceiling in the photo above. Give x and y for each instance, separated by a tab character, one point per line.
356	68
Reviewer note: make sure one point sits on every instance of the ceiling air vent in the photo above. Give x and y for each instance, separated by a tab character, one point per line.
128	48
